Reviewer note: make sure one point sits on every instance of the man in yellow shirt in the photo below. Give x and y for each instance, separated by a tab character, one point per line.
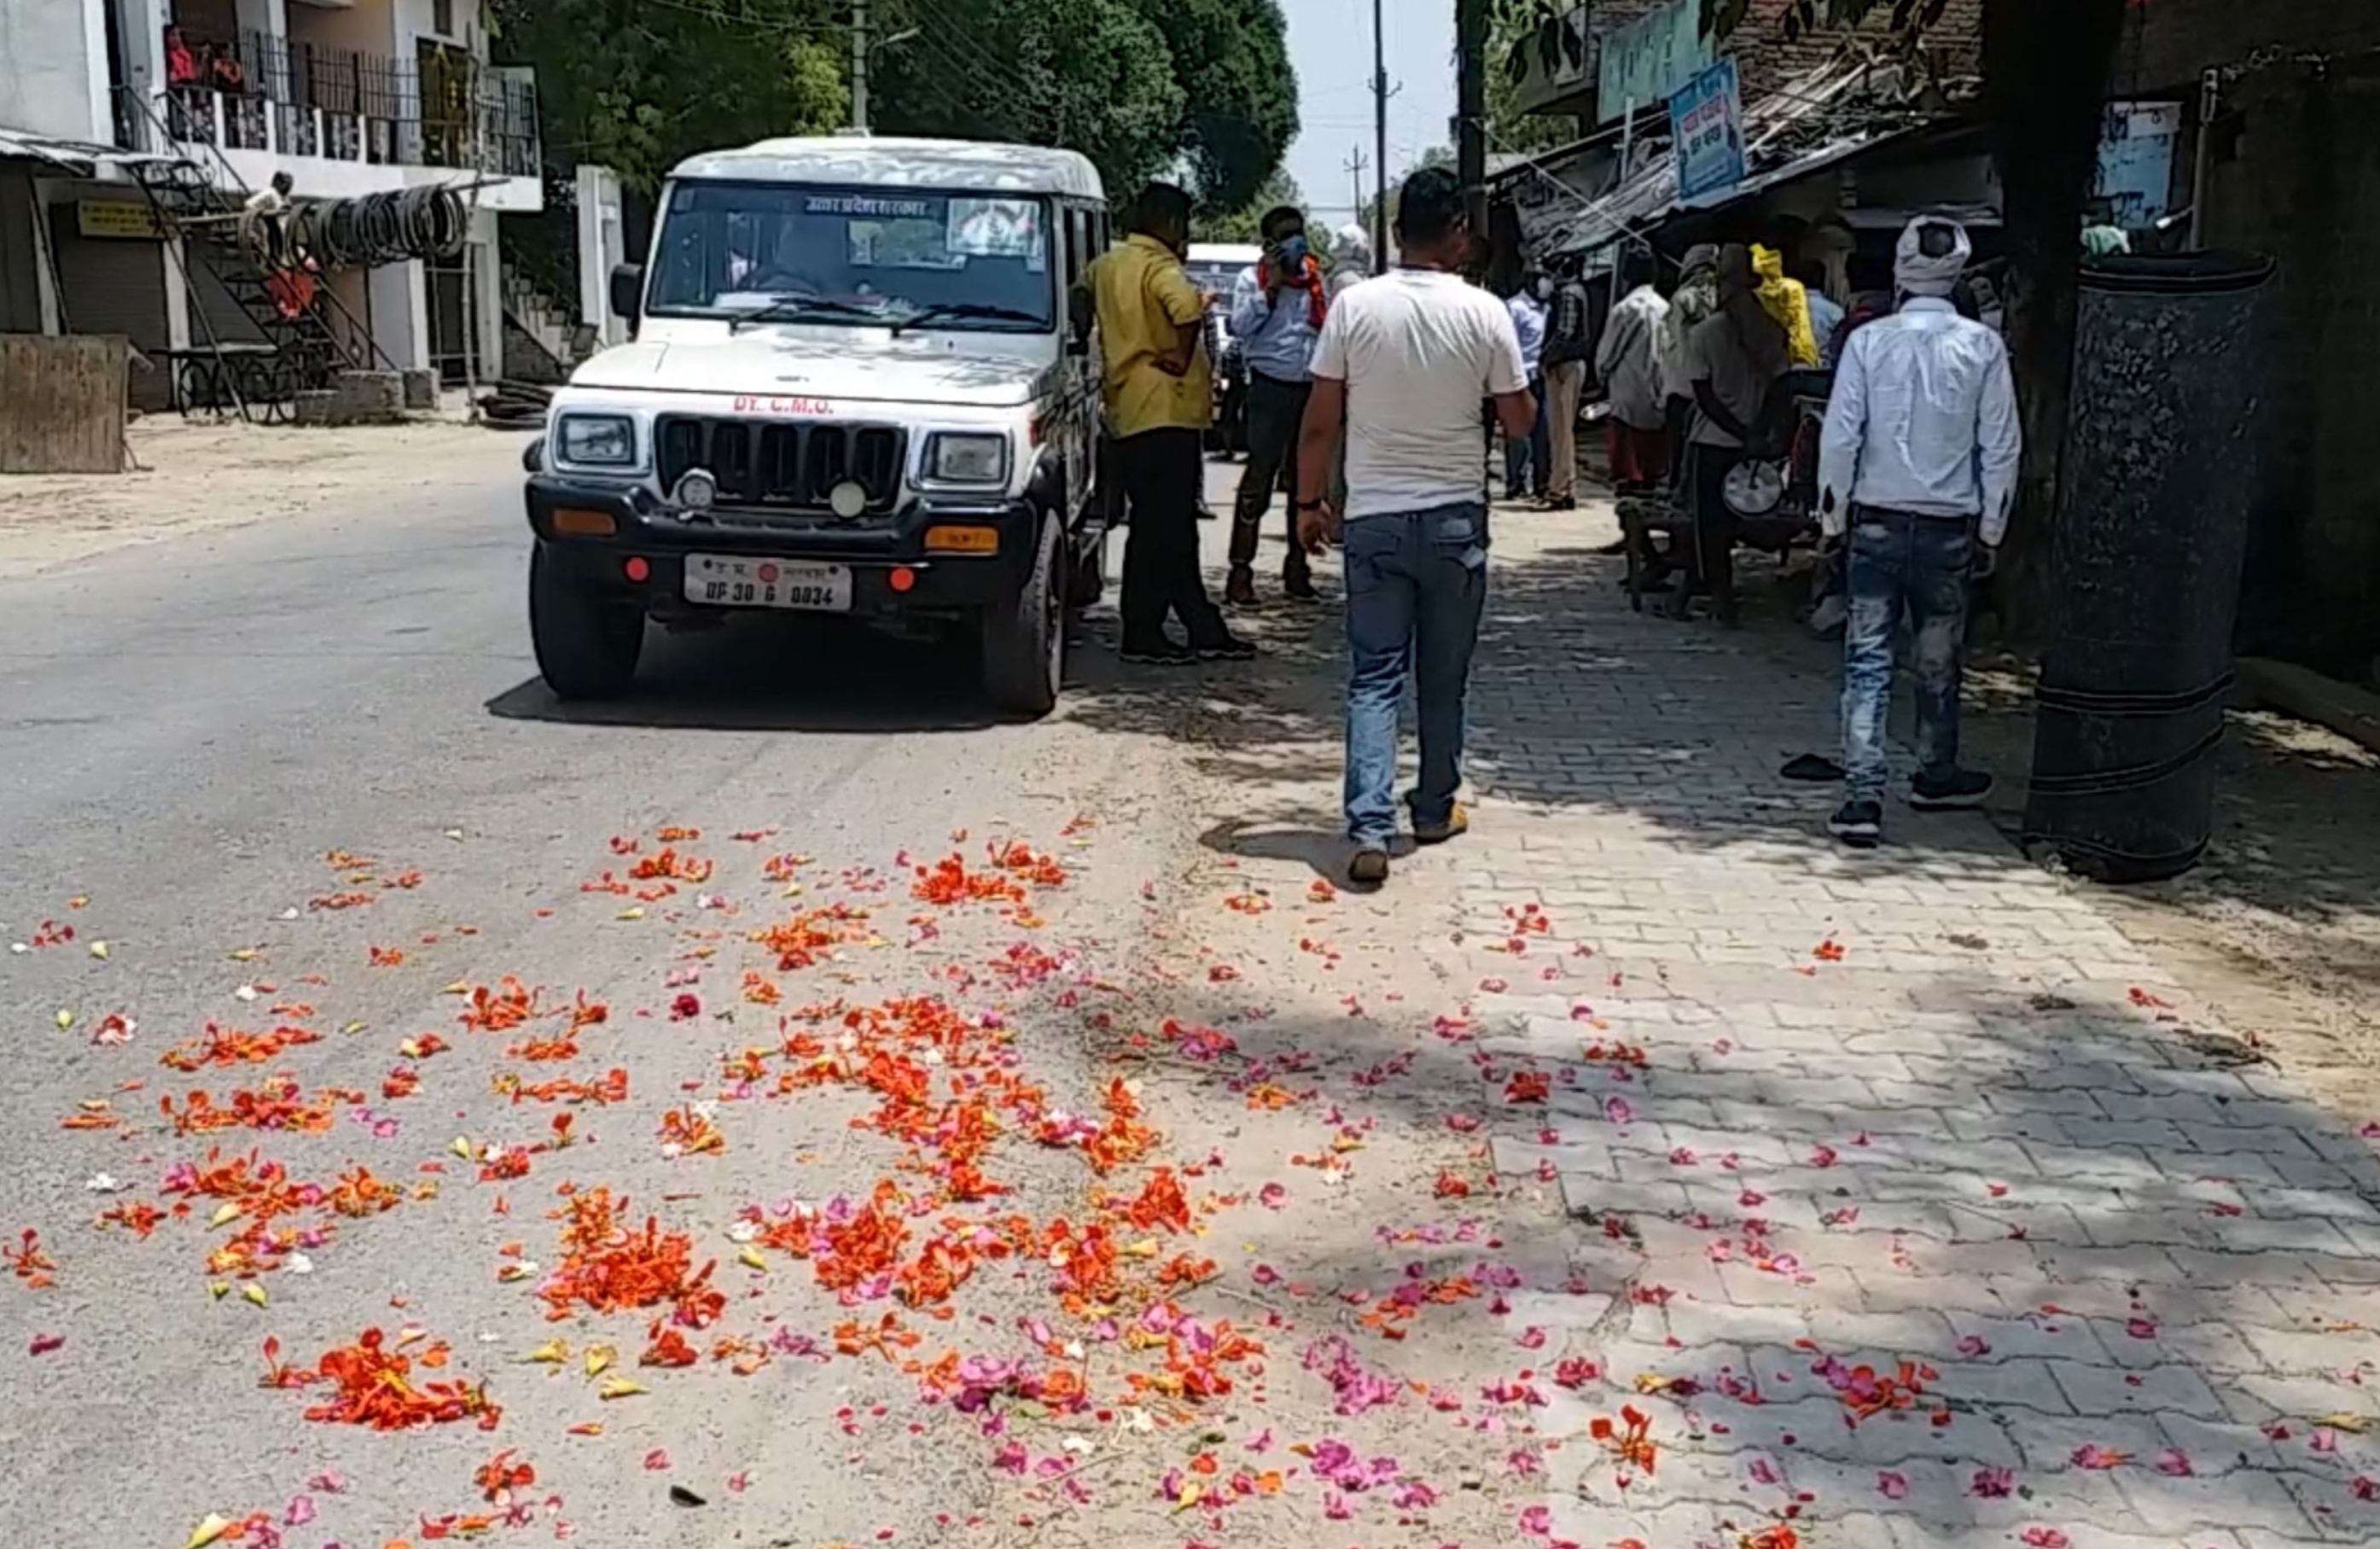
1159	388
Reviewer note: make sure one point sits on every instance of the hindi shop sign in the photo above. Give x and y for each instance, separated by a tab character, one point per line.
1707	128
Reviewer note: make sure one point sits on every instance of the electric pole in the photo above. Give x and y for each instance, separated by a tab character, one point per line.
1471	108
859	63
1355	164
1379	144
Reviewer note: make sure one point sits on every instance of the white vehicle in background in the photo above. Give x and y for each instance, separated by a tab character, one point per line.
853	387
1217	266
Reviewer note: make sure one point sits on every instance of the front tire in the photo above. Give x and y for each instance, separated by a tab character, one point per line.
1025	640
587	644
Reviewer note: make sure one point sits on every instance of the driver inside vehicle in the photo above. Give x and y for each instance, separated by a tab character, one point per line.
734	249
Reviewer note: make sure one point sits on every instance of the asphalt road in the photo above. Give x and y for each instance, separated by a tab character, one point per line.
187	730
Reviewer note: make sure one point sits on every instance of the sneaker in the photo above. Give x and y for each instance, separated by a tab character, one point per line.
1859	825
1368	867
1164	653
1457	822
1240	591
1961	787
1231	648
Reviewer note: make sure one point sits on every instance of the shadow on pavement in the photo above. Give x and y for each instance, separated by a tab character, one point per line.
2133	1273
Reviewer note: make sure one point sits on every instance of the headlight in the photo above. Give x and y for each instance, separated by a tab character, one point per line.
967	459
596	441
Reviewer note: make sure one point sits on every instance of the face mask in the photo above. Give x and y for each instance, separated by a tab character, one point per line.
1293	252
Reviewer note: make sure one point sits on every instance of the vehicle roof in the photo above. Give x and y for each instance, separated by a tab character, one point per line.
890	162
1239	254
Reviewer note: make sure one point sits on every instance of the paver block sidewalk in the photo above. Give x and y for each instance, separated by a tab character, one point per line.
1925	1112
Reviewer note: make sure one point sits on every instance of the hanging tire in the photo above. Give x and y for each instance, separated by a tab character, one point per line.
587	644
1024	639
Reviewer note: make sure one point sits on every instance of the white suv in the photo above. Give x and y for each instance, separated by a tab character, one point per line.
854	388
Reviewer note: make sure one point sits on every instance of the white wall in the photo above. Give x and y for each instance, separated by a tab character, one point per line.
53	69
400	312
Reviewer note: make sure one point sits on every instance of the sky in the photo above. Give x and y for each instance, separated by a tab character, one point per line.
1330	46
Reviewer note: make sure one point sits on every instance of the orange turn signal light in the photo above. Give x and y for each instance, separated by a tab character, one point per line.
963	540
580	523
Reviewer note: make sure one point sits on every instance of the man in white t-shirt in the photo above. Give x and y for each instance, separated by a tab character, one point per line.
1399	369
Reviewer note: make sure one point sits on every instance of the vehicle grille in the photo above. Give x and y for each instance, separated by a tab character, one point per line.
788	466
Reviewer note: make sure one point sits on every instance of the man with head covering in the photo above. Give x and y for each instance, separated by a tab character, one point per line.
1691	305
1918	467
1277	310
1734	359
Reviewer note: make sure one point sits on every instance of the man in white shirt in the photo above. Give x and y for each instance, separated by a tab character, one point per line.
1918	465
1528	459
1403	363
1628	362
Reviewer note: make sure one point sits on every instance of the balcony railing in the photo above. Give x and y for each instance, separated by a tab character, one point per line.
261	92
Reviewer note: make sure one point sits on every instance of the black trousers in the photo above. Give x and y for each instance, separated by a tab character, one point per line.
1161	471
1276	413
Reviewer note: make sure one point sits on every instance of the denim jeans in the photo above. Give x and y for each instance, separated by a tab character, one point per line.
1920	564
1416	581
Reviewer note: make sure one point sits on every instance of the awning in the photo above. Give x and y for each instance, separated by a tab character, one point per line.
79	157
1768	124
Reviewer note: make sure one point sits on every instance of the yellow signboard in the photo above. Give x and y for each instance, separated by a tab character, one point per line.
117	217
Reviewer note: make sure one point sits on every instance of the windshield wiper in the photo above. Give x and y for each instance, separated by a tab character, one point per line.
794	308
943	310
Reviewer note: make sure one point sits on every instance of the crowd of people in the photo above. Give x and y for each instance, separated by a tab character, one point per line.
1368	399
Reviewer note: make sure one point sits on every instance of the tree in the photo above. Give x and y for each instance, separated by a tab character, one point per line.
1093	76
1520	35
638	87
1239	109
1240	225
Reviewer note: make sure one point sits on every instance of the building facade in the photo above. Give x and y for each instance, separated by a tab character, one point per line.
351	98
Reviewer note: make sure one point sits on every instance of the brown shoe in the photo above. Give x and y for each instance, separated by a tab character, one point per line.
1368	867
1240	591
1458	822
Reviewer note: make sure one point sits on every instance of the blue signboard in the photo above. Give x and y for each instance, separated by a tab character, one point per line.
1706	128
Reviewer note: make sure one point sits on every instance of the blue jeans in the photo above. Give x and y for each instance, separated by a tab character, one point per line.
1416	581
1920	564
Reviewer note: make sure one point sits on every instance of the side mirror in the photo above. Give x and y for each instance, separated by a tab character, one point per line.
629	290
1078	346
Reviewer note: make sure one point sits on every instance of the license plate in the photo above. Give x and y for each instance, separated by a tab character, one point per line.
720	581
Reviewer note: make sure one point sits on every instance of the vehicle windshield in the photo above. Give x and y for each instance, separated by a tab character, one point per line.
865	255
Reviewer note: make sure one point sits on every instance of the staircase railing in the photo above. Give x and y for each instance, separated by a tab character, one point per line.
222	179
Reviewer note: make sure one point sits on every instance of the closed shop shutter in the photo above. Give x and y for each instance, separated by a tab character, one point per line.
115	285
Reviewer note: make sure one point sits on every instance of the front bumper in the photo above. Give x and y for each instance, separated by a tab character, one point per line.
935	581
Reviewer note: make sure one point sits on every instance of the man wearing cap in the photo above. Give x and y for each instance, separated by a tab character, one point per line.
1918	468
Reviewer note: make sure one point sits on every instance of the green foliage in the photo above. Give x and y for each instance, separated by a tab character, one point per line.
1240	94
1089	75
1240	225
1196	89
1529	39
638	86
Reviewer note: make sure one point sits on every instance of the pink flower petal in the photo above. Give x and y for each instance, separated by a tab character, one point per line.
1892	1487
2174	1463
